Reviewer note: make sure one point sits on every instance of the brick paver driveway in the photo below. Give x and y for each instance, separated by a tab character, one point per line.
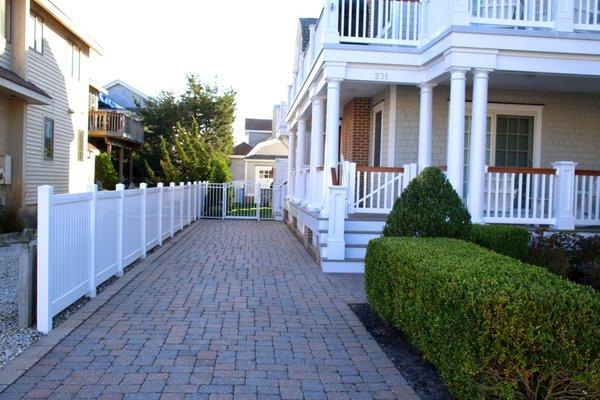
236	309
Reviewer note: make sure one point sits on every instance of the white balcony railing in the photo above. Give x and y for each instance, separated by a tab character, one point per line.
417	22
380	21
517	13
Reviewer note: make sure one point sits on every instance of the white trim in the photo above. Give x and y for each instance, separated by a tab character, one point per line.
519	110
374	110
391	142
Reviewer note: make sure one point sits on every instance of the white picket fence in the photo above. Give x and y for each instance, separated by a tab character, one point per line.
86	238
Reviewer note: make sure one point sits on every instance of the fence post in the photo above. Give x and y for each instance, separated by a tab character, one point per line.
189	206
92	269
44	314
172	211
182	189
144	188
121	190
257	200
160	211
336	244
564	195
224	205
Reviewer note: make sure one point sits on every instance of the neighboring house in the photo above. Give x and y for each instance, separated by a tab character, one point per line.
126	96
503	96
254	163
113	124
258	130
236	160
45	67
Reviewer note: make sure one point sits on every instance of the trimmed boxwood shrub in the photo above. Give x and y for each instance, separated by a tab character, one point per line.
512	241
493	326
429	207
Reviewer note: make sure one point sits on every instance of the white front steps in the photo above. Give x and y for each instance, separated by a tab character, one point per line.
358	233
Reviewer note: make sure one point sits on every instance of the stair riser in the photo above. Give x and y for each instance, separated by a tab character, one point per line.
343	267
356	252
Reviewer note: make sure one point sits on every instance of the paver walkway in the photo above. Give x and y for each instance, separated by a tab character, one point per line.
236	309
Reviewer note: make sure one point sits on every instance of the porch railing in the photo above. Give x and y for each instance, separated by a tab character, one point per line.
519	13
375	189
519	195
587	197
587	15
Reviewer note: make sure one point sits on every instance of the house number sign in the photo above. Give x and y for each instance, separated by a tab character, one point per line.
381	76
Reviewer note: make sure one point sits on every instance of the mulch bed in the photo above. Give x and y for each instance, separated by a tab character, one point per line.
422	376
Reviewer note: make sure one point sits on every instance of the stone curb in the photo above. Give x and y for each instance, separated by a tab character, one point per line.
12	371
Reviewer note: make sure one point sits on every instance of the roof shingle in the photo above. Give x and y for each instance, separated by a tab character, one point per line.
254	124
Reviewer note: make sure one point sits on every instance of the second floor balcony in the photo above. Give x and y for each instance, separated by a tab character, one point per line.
417	23
115	125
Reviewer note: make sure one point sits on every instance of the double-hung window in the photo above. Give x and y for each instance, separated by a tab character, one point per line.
37	39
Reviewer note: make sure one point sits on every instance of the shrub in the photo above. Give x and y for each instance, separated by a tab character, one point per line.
587	250
588	274
512	241
429	207
105	172
554	252
493	326
11	219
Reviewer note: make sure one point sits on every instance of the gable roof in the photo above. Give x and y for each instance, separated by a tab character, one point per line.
305	24
241	149
255	124
128	87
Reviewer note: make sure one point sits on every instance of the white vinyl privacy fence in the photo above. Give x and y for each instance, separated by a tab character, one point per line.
86	238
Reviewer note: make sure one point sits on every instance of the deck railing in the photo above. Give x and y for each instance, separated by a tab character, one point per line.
116	125
517	13
587	197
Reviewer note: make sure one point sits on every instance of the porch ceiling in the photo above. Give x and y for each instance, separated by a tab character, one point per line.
561	83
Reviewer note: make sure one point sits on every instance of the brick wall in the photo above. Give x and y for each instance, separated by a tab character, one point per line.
356	130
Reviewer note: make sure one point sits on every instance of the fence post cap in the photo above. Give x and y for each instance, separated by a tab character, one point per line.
160	184
172	184
143	185
181	184
45	188
120	186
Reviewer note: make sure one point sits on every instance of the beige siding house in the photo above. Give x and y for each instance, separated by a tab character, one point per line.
47	129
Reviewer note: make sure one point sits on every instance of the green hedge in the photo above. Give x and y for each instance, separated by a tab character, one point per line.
491	324
512	241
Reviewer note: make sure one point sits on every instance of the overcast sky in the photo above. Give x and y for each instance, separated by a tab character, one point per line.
152	45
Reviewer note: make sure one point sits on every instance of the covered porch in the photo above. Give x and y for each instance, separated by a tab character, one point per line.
519	149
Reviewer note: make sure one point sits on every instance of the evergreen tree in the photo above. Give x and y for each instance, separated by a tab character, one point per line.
184	133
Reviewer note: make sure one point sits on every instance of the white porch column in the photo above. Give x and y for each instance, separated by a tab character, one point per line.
476	182
564	195
300	152
332	138
291	164
456	130
316	151
425	125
